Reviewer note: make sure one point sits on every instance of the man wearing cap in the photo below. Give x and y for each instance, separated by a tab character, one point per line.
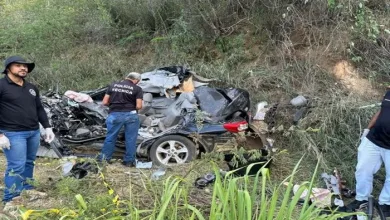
21	111
124	98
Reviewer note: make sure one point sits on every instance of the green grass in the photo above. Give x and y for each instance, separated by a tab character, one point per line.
246	197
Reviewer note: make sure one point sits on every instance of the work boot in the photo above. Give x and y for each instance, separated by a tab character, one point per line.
101	163
128	164
356	205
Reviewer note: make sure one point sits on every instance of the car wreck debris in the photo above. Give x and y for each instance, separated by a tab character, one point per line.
79	170
143	165
204	181
181	117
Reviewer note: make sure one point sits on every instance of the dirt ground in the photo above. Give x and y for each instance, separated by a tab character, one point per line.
350	78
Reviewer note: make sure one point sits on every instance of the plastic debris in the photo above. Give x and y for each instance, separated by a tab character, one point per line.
143	165
261	110
298	101
335	184
361	217
338	202
77	96
66	168
320	197
270	142
331	183
204	181
81	169
158	173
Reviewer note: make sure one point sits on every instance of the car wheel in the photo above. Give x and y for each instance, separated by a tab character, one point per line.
172	149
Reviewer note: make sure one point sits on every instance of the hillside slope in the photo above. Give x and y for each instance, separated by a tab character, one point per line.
336	52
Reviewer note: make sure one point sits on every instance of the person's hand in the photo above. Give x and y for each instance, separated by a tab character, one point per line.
364	134
49	135
4	142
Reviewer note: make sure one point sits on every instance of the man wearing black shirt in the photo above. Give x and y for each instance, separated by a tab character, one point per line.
21	111
124	98
374	150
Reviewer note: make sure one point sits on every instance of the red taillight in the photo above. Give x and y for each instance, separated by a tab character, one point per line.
236	126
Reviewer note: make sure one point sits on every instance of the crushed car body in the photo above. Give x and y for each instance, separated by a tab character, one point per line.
181	117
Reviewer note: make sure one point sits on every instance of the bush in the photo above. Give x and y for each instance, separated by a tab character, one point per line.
46	29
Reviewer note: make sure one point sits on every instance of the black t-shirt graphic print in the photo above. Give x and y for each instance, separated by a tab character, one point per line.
123	96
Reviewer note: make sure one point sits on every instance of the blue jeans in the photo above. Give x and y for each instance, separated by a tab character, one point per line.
370	159
20	161
115	121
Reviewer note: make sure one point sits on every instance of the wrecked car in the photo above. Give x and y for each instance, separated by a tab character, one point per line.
181	117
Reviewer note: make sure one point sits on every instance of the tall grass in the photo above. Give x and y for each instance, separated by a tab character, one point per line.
246	197
72	41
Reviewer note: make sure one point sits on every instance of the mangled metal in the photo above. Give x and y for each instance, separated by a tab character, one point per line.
176	101
167	80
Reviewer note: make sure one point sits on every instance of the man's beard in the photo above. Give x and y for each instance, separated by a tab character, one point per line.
17	74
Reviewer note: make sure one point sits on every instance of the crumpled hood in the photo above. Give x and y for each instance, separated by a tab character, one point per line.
167	78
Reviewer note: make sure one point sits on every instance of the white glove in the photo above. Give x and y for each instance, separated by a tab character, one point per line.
4	142
49	135
365	132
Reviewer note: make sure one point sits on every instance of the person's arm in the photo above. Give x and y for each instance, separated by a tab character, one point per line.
1	134
42	116
370	125
106	100
373	120
139	97
4	141
139	104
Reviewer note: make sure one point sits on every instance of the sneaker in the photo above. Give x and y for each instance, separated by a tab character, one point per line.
356	204
128	164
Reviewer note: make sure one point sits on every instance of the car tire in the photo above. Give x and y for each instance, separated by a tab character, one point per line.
172	149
